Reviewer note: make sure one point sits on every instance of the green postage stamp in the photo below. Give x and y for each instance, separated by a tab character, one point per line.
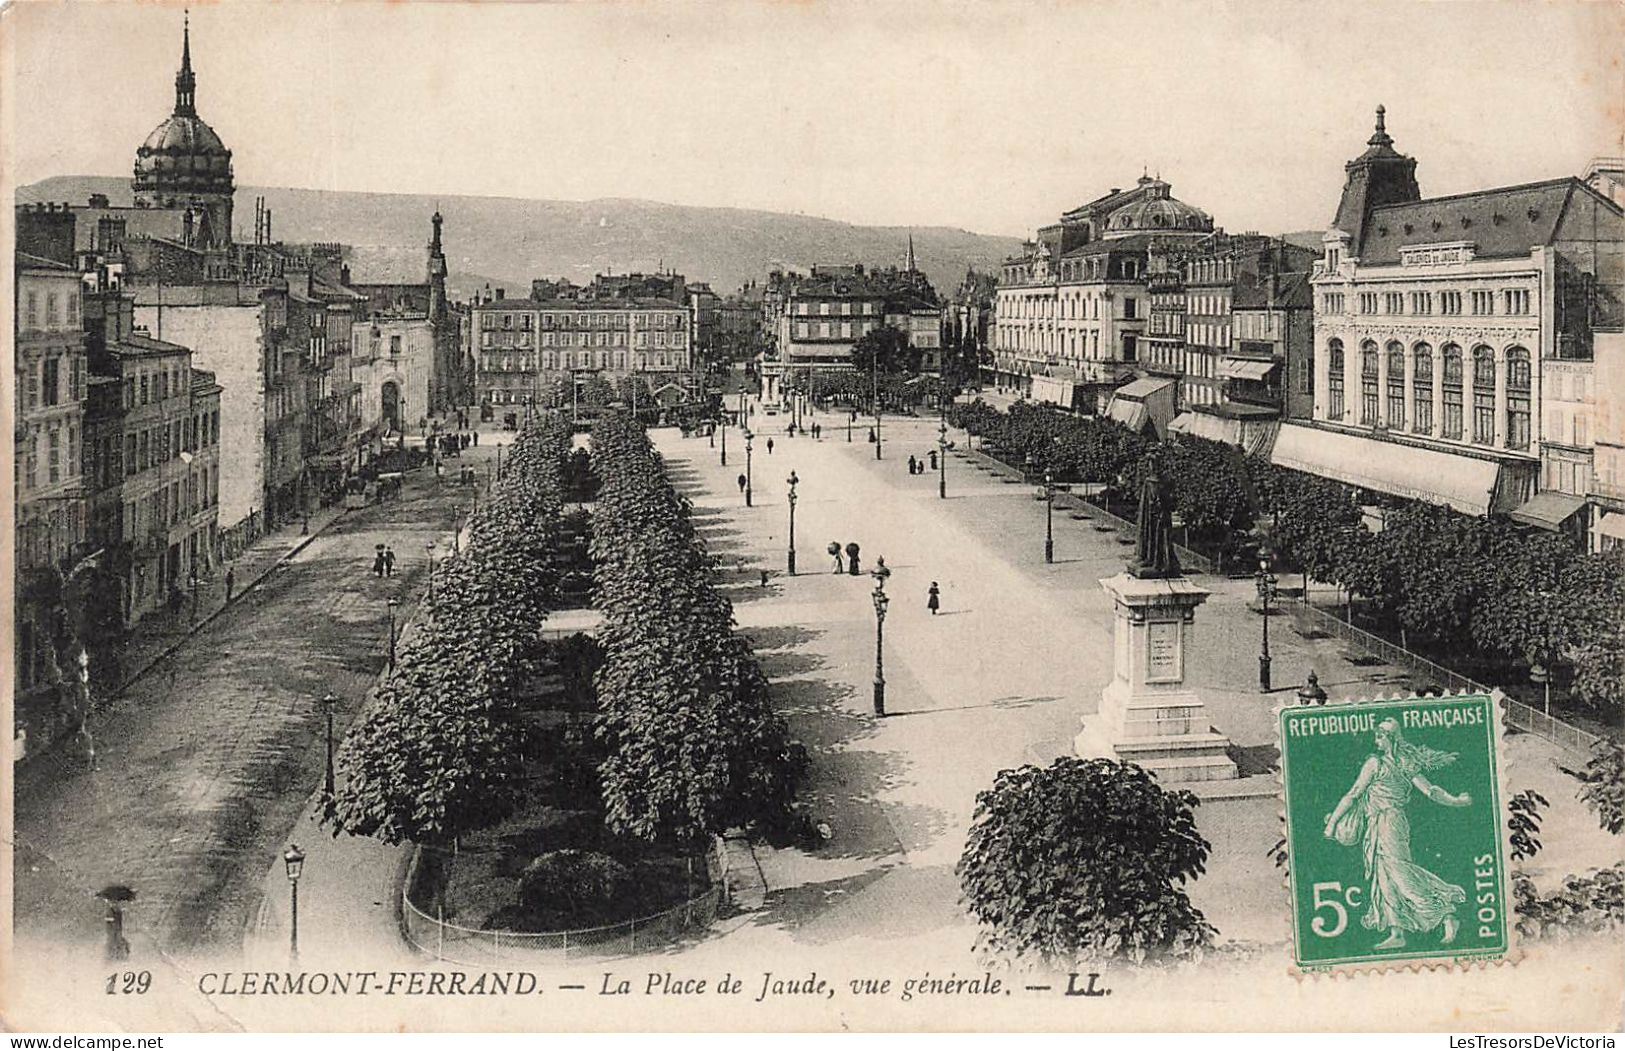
1395	832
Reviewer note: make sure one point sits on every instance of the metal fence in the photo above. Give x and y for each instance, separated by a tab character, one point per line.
1518	715
444	940
234	541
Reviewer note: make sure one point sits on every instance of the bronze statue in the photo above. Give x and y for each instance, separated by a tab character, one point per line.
1154	556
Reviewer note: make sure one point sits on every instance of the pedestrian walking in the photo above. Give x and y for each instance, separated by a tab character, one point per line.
389	561
741	483
378	562
911	465
231	582
770	447
476	437
933	598
834	550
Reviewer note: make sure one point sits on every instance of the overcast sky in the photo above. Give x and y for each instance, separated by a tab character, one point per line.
992	116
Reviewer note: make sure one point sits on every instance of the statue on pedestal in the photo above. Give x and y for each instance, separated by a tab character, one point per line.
1154	556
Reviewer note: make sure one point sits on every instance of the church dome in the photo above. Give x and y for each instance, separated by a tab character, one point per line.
183	154
1157	212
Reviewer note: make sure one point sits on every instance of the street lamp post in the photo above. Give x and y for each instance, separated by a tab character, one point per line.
1266	592
792	480
329	702
853	415
1049	517
877	406
429	547
294	859
724	437
393	602
192	580
748	437
881	601
942	460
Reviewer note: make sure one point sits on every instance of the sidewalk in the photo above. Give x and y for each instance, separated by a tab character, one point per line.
161	632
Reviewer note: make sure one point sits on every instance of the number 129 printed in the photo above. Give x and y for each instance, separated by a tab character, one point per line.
1395	835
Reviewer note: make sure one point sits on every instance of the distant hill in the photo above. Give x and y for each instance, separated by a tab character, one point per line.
507	241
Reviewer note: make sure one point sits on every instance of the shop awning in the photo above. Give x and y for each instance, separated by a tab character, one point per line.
1612	525
1548	510
1206	425
1131	414
1465	483
1255	369
1143	387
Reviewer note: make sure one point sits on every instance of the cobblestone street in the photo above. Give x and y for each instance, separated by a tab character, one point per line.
204	762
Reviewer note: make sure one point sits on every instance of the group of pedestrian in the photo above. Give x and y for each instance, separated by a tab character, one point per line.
917	464
383	561
454	444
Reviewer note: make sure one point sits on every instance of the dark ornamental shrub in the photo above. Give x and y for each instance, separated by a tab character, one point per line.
1084	859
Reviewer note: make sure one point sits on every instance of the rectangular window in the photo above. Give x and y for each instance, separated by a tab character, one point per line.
1452	411
1368	302
1449	302
1517	301
145	387
33	311
1483	302
1395	302
1421	302
53	446
49	378
1129	308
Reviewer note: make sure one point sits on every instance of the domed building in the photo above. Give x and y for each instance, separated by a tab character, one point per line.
184	165
1157	211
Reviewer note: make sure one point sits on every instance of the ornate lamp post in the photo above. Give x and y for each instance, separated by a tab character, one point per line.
1310	692
881	602
393	602
1049	517
429	547
329	702
942	460
792	480
851	416
1266	592
724	437
294	859
748	437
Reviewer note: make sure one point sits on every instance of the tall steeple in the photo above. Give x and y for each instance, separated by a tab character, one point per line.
911	251
1381	175
437	270
185	81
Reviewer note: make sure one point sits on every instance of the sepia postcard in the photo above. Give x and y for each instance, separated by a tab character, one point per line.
1091	516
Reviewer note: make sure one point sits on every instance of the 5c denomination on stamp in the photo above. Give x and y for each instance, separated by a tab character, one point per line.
1395	831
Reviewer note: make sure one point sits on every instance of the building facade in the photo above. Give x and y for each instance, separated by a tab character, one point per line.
49	512
1437	324
1072	309
532	352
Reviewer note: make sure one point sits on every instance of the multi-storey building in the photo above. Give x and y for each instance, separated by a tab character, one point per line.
1438	322
49	414
533	351
155	458
1607	486
814	320
1071	310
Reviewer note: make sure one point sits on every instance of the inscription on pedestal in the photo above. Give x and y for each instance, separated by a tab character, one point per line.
1162	662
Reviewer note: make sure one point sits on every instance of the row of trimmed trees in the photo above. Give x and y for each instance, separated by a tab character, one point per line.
440	751
1435	574
693	745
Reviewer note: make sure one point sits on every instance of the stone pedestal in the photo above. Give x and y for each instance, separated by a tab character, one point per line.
1147	715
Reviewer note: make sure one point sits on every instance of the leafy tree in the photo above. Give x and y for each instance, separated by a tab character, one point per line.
1084	859
887	345
1603	787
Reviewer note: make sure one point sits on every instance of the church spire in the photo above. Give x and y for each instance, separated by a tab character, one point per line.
185	81
1380	137
911	251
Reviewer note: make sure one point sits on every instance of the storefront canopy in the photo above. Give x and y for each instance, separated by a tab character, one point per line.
1206	425
1255	369
1131	414
1548	510
1612	525
1143	387
1466	483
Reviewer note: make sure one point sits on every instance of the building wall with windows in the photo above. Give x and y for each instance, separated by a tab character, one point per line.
527	347
1441	322
49	512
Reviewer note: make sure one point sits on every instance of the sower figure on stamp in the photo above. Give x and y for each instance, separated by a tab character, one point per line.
1403	896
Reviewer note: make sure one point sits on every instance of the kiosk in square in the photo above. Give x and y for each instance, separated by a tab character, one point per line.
1395	834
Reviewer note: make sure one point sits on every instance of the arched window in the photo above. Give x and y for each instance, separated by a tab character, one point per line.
1334	379
1368	383
1483	395
1517	398
1422	389
1452	391
1396	385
